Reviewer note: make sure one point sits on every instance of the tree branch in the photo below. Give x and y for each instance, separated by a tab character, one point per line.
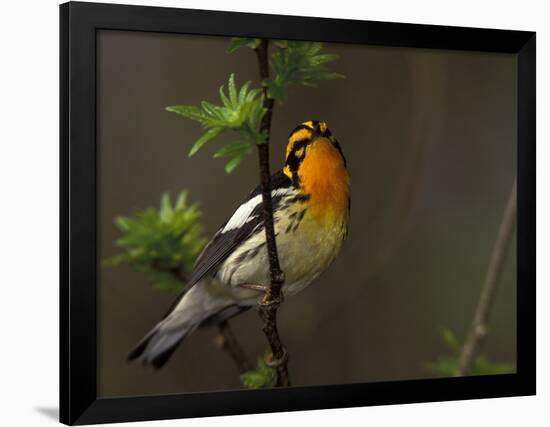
478	329
226	340
273	297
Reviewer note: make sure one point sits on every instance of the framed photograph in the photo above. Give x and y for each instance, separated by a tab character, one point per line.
267	213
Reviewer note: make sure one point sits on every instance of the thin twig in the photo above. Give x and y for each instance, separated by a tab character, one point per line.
226	340
478	329
272	298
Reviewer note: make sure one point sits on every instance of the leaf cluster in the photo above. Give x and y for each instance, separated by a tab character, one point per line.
448	366
299	63
260	377
241	110
163	243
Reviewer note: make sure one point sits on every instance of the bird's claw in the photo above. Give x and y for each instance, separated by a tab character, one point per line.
255	287
268	302
268	299
274	363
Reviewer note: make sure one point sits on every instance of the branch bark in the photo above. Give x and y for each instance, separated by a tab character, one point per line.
226	339
273	297
228	342
478	329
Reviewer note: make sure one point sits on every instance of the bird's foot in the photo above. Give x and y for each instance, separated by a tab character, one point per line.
255	287
268	299
273	362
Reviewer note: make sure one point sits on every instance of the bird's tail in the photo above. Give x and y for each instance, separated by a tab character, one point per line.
196	308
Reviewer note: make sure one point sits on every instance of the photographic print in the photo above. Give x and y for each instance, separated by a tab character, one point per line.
265	213
393	199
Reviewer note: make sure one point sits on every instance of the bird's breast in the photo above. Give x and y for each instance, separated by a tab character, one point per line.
305	247
325	180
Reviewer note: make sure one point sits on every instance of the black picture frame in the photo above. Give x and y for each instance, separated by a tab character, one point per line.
79	23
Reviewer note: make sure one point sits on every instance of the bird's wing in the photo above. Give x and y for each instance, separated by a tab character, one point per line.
246	221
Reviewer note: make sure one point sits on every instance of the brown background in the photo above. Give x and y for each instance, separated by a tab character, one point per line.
430	142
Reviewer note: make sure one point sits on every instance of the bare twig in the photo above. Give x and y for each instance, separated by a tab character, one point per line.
478	329
227	341
272	298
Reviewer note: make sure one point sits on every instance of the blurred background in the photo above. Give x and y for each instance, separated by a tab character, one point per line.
430	141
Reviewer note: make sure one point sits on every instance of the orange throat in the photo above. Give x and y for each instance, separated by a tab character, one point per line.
324	177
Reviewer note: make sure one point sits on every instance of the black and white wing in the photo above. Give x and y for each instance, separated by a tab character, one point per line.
246	220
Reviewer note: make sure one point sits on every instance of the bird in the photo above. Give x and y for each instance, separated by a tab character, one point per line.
311	206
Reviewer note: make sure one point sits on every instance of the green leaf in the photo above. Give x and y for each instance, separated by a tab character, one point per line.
261	377
207	136
448	365
444	366
232	164
451	340
232	91
321	59
225	100
180	201
236	151
482	366
314	48
233	149
244	93
189	111
121	223
166	213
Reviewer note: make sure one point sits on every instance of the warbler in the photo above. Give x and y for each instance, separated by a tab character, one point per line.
311	203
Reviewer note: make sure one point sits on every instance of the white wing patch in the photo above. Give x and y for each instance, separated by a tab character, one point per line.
244	213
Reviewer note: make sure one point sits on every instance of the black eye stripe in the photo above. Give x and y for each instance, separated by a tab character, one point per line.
314	131
293	162
300	143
